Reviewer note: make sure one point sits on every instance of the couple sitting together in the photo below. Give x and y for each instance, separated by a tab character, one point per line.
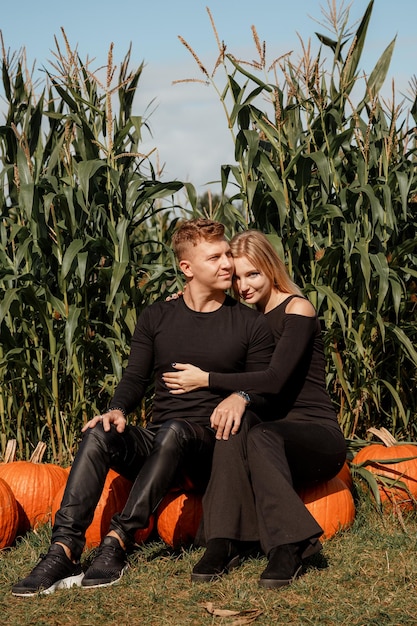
240	408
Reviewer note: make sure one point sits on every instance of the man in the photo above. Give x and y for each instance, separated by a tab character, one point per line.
205	327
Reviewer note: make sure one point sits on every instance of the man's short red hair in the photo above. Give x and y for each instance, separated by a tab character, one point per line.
191	232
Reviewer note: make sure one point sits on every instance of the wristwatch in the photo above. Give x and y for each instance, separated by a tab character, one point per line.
244	395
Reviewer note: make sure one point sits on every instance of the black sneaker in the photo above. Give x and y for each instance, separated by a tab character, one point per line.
108	566
54	571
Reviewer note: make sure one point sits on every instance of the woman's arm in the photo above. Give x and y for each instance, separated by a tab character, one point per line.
295	343
186	378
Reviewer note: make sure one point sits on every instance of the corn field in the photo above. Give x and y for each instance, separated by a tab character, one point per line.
323	165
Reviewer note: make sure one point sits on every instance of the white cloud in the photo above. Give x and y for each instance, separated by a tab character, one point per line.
188	124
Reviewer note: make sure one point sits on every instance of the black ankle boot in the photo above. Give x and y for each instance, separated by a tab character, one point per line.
221	556
284	566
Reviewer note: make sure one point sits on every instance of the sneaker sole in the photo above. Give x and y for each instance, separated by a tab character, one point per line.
96	583
65	583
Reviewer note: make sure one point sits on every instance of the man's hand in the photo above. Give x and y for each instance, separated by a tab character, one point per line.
115	417
227	416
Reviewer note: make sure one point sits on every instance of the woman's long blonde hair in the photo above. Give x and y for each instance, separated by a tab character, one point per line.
256	247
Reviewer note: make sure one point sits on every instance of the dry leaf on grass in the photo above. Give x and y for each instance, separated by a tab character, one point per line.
243	617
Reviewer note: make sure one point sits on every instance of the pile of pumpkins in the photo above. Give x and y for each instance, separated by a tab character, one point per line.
31	493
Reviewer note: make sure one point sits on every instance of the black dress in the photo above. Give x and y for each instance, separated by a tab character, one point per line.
252	490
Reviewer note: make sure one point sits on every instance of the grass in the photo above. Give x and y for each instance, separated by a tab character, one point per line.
365	576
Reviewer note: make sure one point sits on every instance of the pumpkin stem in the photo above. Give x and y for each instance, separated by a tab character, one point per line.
384	435
10	452
38	453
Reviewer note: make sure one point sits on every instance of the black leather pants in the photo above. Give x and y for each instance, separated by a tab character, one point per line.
154	458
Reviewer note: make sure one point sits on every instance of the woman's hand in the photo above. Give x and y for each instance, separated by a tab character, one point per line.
174	296
115	417
186	378
227	416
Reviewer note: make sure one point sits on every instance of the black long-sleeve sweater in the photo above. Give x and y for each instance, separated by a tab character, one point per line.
232	339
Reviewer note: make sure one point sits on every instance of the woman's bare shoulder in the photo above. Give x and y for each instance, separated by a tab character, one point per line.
300	306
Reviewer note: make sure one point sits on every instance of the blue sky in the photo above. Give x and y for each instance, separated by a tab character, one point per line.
188	124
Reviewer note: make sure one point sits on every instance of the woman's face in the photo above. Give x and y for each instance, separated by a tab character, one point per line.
253	286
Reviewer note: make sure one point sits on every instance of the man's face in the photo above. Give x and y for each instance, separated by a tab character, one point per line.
209	264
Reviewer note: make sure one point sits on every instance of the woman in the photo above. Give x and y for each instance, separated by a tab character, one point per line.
301	444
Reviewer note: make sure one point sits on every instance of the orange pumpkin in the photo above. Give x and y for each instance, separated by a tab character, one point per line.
178	518
331	504
374	458
9	515
113	499
34	485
